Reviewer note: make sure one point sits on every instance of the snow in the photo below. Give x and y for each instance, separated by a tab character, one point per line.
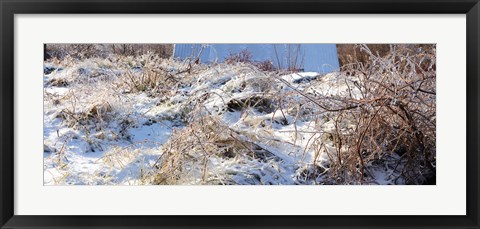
124	144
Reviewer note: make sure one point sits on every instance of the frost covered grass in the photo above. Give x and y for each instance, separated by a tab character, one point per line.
146	120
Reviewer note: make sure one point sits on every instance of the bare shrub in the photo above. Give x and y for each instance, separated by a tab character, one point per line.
393	113
243	56
76	51
266	66
83	51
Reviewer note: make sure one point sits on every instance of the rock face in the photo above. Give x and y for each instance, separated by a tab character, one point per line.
320	58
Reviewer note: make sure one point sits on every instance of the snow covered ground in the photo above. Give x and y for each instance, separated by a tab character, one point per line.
102	128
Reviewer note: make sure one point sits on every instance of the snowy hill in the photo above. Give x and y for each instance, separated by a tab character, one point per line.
146	120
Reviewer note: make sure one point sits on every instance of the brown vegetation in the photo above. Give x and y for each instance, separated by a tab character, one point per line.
395	113
382	113
81	51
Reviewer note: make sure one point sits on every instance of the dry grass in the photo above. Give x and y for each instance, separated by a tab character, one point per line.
384	112
395	113
186	156
200	153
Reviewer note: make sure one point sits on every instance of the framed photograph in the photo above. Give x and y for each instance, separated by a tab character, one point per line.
239	114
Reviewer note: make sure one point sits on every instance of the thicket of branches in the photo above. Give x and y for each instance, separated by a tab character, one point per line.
82	51
394	112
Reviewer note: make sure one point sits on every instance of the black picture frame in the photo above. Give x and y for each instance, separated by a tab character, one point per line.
9	8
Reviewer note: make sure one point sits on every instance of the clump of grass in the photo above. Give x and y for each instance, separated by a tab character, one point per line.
194	154
154	76
186	156
94	114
